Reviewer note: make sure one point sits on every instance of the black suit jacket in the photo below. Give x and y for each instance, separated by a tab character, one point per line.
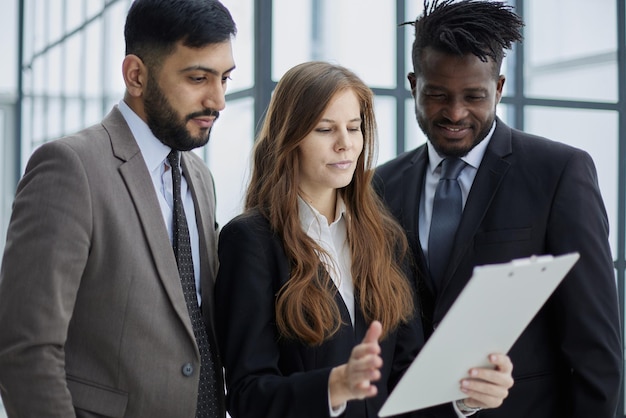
269	376
531	196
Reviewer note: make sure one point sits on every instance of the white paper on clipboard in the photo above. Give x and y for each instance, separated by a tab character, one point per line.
488	316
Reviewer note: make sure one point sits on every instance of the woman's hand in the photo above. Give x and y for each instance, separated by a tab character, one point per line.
353	380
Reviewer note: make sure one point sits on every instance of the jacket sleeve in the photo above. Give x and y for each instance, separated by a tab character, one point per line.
586	304
46	250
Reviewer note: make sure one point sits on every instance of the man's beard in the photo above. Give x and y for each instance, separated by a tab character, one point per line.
450	151
165	123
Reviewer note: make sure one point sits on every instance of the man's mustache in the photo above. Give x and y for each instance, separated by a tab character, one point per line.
206	112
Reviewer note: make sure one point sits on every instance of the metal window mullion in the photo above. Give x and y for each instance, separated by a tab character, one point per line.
263	84
620	262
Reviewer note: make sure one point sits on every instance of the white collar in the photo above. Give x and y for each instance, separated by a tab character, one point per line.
311	217
153	151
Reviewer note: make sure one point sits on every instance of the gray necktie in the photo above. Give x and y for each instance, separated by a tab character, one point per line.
207	395
446	215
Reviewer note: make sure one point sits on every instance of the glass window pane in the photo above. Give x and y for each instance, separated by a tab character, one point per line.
114	49
360	35
243	45
38	79
53	119
506	113
291	35
508	71
412	10
29	35
92	65
40	23
93	7
385	110
583	129
92	112
75	12
73	119
414	136
37	126
54	65
228	156
54	22
5	141
562	59
73	65
7	174
27	130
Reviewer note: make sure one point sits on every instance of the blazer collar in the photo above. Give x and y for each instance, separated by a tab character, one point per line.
122	141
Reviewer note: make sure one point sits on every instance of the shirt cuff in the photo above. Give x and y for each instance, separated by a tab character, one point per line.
459	414
335	412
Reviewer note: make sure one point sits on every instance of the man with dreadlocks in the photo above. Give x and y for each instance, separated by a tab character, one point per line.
520	195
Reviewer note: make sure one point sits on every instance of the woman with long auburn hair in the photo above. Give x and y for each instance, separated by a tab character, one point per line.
314	304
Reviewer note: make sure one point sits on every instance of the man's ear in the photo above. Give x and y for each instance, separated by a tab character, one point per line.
412	81
500	87
135	75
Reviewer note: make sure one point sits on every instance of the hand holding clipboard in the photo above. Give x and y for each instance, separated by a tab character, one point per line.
470	330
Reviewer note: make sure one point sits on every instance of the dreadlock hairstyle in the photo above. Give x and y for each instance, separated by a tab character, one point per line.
305	306
479	27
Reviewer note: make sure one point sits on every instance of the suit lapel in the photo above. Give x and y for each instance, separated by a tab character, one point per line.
492	170
141	190
360	327
202	209
411	195
412	183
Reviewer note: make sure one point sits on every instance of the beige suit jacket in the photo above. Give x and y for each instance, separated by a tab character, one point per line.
93	320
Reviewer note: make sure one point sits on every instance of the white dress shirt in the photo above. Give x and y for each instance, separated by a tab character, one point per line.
333	239
154	153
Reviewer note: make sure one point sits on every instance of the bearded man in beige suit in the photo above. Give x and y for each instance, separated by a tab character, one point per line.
93	318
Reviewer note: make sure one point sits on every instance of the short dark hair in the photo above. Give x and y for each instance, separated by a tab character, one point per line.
153	27
479	27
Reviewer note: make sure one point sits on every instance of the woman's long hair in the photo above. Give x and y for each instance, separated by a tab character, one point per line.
305	305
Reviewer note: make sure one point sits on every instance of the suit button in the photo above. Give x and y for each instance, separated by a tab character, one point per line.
187	369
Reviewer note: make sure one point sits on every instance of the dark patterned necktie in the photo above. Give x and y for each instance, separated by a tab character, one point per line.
446	215
207	399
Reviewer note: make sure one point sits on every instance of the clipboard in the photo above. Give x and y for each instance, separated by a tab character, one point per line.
489	315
